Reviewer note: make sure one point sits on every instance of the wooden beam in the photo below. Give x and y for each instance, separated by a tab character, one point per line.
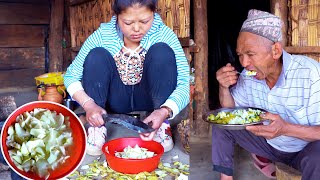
56	36
27	1
22	58
19	78
22	35
303	50
18	13
201	128
184	41
77	2
194	49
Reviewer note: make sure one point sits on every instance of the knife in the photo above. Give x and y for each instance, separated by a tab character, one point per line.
128	122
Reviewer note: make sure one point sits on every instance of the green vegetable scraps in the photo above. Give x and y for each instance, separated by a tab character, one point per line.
101	170
38	140
239	116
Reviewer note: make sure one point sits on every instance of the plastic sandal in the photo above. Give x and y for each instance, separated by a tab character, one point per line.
269	170
260	160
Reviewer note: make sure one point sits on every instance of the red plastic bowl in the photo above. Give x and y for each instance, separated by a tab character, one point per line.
132	166
77	150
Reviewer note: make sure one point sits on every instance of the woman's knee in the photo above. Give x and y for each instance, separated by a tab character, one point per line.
97	57
161	46
98	67
162	52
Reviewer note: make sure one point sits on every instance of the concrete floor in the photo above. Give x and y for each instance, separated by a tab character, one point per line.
201	165
199	159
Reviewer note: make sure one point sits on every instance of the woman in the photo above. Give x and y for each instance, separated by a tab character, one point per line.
132	63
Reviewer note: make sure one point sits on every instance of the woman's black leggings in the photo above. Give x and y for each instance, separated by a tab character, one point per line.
101	80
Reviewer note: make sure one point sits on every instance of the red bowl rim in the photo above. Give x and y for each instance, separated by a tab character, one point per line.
41	102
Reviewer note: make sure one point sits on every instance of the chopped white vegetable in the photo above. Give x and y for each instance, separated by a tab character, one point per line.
38	140
251	73
175	157
84	167
243	116
182	177
135	152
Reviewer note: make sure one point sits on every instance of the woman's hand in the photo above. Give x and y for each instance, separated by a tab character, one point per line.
277	126
155	119
93	114
227	76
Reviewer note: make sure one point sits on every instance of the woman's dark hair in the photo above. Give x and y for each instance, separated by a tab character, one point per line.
121	5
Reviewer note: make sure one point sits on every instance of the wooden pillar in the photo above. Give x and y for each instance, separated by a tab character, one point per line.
56	36
201	128
67	58
280	8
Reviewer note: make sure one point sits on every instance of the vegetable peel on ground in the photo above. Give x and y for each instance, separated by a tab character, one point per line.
101	170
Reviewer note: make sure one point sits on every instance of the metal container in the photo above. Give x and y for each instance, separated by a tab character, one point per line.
69	103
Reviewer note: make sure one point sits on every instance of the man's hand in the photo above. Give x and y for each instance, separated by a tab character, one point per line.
156	118
227	76
277	126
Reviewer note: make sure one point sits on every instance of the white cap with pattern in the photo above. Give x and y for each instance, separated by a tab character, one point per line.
263	24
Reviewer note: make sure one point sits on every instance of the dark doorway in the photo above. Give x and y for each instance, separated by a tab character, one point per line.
224	23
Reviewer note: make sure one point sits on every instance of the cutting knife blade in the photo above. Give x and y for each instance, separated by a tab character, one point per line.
128	122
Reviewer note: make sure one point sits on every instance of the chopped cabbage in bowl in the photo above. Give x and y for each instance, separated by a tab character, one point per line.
38	141
135	152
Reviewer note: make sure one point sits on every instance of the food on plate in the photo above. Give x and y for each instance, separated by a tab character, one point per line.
237	116
38	141
135	152
251	73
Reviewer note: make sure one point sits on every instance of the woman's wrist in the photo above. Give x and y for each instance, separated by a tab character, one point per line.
169	112
88	104
86	101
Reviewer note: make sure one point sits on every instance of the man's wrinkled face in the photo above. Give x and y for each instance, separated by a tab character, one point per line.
255	54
